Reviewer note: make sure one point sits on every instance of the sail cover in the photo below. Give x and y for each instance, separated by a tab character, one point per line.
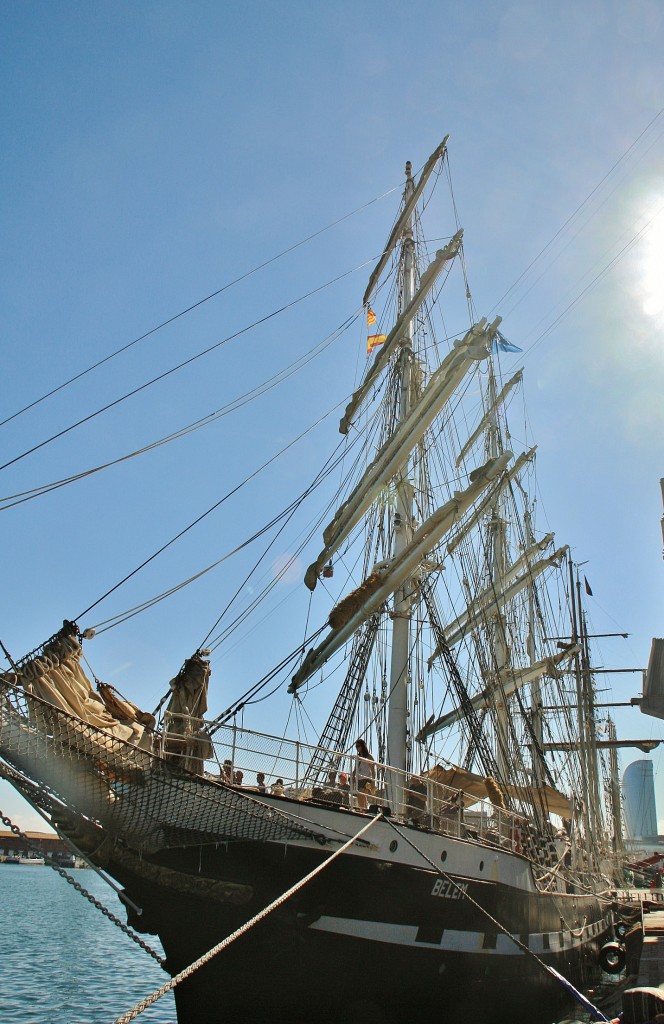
478	787
57	677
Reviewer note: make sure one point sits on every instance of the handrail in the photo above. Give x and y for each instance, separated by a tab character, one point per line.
239	754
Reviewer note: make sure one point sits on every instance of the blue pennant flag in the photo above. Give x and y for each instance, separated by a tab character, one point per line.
501	343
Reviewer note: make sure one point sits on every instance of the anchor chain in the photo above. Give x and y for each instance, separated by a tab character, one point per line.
84	892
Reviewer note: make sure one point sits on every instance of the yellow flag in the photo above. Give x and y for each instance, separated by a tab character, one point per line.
371	317
373	341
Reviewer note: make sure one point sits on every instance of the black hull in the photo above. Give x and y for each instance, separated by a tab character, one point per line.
405	921
367	940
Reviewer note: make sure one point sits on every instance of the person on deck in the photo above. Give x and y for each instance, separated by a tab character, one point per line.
365	774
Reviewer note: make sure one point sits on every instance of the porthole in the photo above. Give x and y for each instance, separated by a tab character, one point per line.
393	845
481	865
443	855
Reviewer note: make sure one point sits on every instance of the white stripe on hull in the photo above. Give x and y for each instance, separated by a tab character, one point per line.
456	941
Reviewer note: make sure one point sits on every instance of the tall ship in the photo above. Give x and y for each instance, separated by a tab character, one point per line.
451	843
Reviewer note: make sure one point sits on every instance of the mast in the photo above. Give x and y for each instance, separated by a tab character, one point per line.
500	647
661	484
583	751
590	728
616	810
397	718
535	688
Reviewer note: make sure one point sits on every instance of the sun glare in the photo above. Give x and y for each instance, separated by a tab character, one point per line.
651	265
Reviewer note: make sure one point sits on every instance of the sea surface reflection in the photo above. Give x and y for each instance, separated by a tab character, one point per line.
62	960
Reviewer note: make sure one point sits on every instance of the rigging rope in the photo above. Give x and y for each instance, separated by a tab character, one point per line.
578	209
185	362
240	702
202	960
598	277
200	302
332	462
237	403
285	512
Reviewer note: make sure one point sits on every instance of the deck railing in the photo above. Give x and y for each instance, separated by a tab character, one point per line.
636	896
238	756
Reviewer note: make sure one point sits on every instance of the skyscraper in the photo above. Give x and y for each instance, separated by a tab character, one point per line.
639	800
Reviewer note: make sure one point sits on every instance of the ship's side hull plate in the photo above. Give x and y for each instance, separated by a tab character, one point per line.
368	939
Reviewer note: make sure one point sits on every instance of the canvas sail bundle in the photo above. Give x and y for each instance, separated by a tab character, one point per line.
395	452
56	676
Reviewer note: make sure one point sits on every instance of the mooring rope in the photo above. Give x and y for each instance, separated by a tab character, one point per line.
595	1013
188	971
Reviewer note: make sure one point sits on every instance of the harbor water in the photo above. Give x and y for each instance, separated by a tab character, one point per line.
62	960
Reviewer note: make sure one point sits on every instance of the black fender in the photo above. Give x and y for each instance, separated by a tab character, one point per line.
612	958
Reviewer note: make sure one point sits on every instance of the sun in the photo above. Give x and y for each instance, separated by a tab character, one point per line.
651	263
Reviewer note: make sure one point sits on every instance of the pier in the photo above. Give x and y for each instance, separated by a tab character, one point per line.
651	966
45	844
651	969
650	972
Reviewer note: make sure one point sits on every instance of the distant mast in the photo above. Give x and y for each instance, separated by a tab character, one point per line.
397	719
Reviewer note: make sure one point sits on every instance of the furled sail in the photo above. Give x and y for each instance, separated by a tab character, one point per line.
186	740
395	452
404	217
509	681
473	519
488	416
497	593
475	787
384	353
57	677
404	565
491	600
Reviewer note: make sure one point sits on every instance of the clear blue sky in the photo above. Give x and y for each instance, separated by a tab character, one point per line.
154	152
